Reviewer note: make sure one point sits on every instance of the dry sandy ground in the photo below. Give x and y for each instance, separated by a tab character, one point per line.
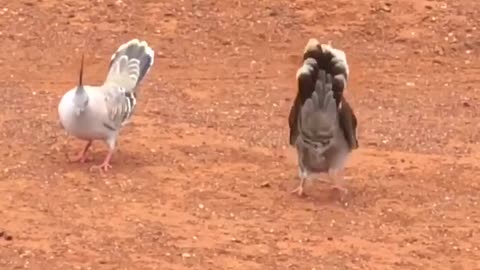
202	176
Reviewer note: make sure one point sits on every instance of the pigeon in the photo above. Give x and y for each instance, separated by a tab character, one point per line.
322	123
99	112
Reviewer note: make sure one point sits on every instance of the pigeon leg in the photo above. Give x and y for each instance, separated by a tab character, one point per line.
302	174
82	157
106	162
338	180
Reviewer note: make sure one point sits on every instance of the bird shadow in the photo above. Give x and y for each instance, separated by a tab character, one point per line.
328	196
123	161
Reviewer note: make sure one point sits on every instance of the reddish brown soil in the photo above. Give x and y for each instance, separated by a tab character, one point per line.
203	174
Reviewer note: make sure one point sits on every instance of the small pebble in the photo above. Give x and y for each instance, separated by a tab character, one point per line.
265	184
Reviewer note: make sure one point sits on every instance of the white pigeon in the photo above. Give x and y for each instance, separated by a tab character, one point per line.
99	112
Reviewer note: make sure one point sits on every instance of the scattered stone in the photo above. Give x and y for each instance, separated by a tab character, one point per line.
265	184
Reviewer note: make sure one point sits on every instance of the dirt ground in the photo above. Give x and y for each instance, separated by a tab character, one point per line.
203	174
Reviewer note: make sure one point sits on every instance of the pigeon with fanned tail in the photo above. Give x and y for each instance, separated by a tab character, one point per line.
99	112
322	123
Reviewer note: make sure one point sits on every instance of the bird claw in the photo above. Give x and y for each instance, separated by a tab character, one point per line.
343	193
102	167
298	190
81	159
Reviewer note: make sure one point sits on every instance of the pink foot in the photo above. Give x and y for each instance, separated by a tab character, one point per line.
342	192
105	164
102	167
299	191
82	157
